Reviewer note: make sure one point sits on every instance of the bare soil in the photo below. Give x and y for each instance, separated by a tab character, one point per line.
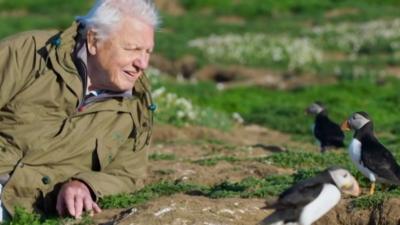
193	143
234	76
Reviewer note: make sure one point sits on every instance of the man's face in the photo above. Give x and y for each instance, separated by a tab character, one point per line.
117	62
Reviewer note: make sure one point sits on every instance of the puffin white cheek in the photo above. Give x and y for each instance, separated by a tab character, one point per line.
354	190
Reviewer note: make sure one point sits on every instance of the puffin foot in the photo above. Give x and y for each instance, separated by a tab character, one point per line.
372	189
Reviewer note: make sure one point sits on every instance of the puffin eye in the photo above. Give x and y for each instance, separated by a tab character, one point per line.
345	175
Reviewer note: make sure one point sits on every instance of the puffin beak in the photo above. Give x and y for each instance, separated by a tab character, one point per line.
345	126
352	189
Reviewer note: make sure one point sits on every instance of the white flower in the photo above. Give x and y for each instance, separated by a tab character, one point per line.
180	114
237	117
248	47
158	92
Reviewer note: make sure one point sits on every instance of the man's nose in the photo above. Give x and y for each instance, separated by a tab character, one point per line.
142	61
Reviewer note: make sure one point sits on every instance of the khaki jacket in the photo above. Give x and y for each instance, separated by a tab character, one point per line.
45	140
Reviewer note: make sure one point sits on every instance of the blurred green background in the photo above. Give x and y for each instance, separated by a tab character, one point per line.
349	48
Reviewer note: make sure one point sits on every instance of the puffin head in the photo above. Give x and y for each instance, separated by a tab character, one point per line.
344	181
315	108
356	121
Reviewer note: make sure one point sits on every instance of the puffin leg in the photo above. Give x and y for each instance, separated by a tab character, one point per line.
372	189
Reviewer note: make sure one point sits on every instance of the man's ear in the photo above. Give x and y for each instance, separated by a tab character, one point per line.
92	42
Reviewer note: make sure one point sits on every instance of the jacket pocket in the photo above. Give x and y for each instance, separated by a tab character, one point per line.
105	154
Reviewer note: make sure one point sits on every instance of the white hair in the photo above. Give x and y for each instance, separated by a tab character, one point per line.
105	15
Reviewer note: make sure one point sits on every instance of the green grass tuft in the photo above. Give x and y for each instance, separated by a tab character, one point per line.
22	217
213	161
301	159
147	193
369	202
162	156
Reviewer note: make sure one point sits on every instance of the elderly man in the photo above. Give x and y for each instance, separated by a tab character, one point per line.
76	111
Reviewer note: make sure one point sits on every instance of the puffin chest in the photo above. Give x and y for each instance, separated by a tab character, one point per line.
355	151
355	155
325	201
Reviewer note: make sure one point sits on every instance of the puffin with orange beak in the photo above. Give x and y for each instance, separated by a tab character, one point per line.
371	157
310	199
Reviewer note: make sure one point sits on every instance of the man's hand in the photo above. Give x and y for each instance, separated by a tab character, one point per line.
74	198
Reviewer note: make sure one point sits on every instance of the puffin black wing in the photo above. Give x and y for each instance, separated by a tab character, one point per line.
379	159
328	132
301	193
292	201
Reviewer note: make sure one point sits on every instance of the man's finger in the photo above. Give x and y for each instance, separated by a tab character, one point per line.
78	206
87	201
70	204
96	208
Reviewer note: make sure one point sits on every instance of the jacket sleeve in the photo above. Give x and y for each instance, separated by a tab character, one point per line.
17	60
123	175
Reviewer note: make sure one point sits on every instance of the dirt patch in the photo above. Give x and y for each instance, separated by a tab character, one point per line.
210	175
232	20
185	66
341	12
192	145
14	13
387	214
257	137
194	210
393	71
184	209
335	56
234	76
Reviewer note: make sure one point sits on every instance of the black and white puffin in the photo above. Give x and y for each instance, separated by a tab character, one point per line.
327	132
371	157
310	199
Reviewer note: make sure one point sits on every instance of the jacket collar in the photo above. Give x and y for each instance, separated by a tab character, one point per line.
61	58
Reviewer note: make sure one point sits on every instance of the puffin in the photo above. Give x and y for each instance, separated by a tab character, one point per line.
308	200
327	132
370	157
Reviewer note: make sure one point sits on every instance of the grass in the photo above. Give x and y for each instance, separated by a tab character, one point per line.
22	15
22	217
162	156
214	160
247	188
147	193
291	19
287	19
179	111
376	200
301	159
251	187
284	110
271	8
